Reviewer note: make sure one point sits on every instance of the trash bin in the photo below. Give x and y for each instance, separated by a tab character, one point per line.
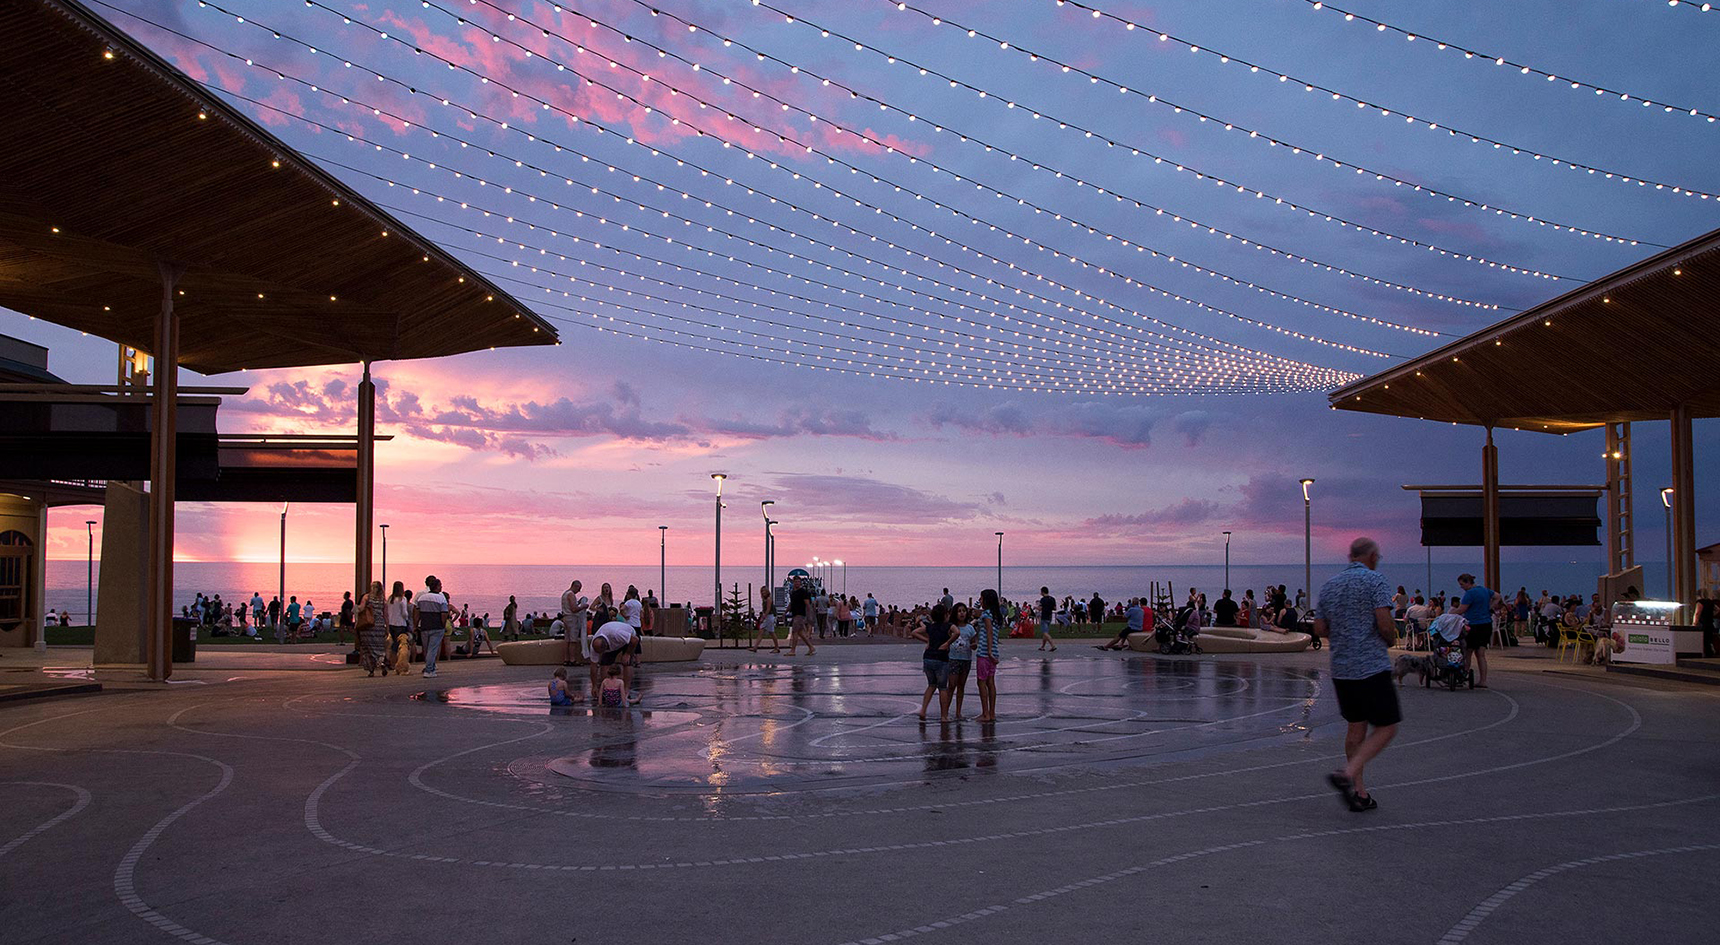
184	640
671	621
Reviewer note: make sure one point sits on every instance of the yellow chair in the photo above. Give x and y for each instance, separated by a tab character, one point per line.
1586	644
1570	637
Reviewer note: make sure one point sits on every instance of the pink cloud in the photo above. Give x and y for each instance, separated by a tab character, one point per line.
516	428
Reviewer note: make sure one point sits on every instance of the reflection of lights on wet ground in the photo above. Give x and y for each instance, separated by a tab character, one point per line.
761	730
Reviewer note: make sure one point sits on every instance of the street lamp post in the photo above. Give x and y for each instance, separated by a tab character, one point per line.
844	565
1307	540
764	512
1227	560
282	598
90	575
384	559
1666	500
717	559
770	556
663	563
999	587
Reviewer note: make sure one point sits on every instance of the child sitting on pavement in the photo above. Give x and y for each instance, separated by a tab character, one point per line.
558	694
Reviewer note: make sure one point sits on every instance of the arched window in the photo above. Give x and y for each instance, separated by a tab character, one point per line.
17	553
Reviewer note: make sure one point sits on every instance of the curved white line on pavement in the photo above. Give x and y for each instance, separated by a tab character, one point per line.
81	801
1491	904
810	715
819	741
125	875
1636	723
51	718
1127	872
921	845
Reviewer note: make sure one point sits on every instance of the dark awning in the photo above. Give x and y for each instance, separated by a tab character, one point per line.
115	161
1631	346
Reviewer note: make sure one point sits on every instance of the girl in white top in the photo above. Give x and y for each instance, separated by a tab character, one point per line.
960	651
631	608
399	610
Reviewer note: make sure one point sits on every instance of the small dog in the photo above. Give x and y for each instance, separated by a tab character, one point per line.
1407	664
403	654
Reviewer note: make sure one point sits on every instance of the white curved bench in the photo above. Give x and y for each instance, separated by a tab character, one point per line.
553	652
1232	640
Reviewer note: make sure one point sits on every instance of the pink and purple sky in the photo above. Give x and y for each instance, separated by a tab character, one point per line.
577	453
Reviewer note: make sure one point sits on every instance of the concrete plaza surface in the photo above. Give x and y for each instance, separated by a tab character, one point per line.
760	799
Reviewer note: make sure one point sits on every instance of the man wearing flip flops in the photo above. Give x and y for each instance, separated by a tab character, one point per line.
1355	612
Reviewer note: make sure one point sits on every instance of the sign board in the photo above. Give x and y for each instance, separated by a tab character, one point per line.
1643	644
1453	519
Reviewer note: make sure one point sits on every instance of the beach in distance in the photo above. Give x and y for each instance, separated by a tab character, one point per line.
485	587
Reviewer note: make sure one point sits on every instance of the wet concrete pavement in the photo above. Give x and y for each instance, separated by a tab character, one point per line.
762	799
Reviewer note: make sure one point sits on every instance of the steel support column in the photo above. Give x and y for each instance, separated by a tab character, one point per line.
365	509
1683	508
163	446
1490	512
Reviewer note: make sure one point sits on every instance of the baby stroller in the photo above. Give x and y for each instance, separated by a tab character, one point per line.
1174	637
1446	657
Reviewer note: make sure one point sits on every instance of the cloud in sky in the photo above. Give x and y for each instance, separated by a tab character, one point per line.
517	428
1128	424
1188	511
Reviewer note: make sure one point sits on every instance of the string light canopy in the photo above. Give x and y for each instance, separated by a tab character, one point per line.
549	105
282	264
973	142
1098	381
1198	115
1137	150
830	158
1469	54
1123	345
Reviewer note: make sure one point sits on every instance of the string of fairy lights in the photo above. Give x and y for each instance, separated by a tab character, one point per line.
1137	150
1061	351
974	141
1470	54
1198	115
948	240
1003	336
1015	237
1122	342
1087	380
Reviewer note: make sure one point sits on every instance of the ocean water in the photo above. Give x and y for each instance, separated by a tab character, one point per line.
485	587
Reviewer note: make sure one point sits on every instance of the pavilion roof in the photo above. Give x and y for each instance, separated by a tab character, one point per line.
115	162
1629	346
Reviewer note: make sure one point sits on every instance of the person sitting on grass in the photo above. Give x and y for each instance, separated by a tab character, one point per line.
481	636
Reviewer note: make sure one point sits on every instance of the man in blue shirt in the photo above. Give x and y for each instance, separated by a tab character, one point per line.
1476	606
1355	613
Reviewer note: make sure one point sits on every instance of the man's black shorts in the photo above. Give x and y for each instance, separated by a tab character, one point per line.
1478	636
608	657
1372	700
